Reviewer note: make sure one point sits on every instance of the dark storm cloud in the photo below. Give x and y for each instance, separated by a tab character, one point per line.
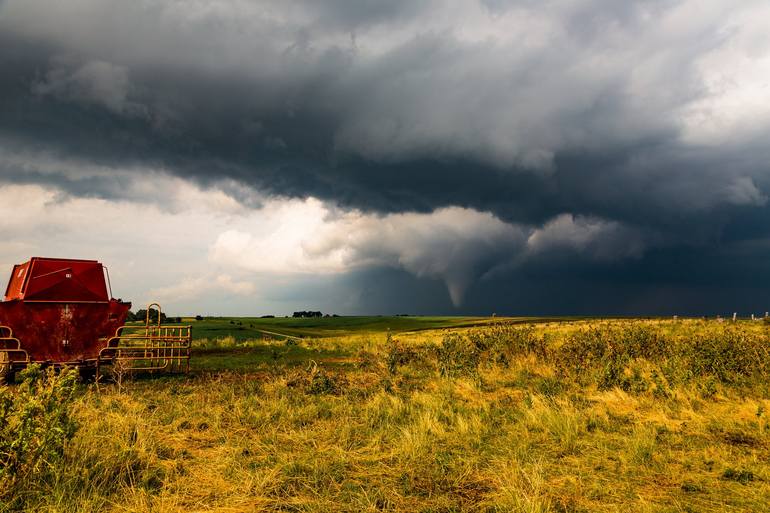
529	110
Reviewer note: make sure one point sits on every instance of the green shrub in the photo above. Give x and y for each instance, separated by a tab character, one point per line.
323	383
35	426
606	355
612	373
500	343
730	354
399	354
582	351
458	356
367	360
739	475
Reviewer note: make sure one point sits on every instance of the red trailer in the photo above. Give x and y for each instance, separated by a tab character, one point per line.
61	312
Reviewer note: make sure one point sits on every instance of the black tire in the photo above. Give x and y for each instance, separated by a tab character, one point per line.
87	374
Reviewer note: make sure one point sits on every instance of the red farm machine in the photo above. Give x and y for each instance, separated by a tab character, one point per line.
61	312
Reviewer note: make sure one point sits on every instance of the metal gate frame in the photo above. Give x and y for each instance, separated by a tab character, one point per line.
152	347
10	350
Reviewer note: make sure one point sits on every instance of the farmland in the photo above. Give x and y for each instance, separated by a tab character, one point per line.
415	414
244	328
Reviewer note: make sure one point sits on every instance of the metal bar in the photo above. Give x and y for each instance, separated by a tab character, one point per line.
21	351
107	274
52	272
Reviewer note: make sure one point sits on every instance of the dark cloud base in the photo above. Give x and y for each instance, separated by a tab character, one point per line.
663	283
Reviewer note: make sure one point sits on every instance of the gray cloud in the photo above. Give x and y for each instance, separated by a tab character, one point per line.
96	82
601	239
640	124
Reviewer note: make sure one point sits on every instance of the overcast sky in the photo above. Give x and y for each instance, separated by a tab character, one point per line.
395	156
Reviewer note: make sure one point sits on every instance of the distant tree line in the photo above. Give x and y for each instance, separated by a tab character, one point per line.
305	313
141	315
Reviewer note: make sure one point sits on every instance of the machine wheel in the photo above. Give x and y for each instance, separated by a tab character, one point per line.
87	374
7	374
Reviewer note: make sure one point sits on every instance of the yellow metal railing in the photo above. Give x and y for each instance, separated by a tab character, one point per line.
152	347
10	352
10	345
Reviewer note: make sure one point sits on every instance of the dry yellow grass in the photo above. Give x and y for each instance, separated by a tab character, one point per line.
519	437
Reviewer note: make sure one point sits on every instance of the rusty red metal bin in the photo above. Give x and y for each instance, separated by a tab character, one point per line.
60	311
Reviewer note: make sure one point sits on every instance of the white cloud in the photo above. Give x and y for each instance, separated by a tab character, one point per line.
145	246
733	105
455	245
194	287
280	239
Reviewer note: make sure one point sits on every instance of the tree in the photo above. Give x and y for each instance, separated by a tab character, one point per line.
306	313
141	315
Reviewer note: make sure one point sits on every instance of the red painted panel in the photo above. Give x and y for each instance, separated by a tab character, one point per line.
63	332
16	284
58	279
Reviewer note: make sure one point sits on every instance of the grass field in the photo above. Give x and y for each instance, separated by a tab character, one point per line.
245	328
410	414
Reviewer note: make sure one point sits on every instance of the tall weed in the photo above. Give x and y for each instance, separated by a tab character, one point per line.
35	426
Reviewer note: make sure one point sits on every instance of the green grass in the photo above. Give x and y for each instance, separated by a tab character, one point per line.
211	354
254	357
246	328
